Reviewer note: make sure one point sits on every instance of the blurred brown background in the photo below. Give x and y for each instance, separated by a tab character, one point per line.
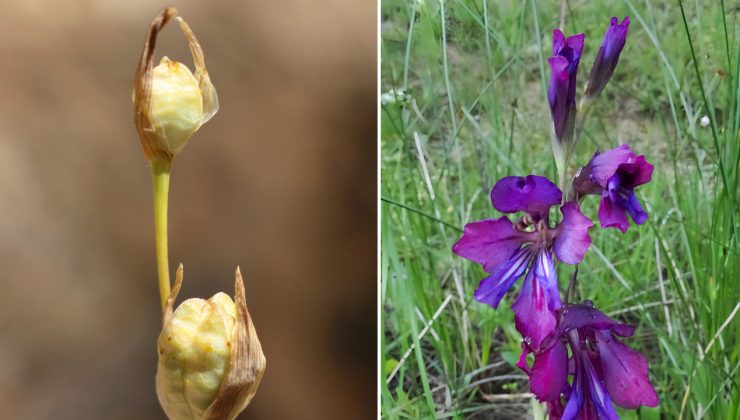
280	182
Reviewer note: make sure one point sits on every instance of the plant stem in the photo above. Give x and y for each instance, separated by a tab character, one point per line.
583	109
161	186
572	285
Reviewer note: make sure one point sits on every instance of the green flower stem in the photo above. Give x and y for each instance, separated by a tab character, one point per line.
570	295
582	110
161	184
567	188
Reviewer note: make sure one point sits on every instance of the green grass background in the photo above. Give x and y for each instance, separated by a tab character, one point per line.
475	73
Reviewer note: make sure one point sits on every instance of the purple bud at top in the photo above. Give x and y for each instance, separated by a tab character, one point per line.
608	56
562	91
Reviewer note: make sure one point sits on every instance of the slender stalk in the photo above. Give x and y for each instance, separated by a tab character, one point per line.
572	287
161	186
567	188
583	109
569	149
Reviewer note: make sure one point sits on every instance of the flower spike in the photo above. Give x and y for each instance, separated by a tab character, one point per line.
581	368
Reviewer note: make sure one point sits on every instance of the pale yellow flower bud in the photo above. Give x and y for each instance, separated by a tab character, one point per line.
170	102
210	359
176	104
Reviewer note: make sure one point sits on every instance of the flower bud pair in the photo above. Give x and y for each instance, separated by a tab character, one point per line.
210	359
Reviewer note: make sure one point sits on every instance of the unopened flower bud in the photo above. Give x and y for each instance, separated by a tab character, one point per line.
170	102
176	106
210	359
607	57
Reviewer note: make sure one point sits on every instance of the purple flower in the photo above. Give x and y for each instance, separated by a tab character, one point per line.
615	174
506	250
604	370
562	92
608	56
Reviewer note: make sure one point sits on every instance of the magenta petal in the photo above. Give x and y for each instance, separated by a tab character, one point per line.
489	242
532	194
532	317
570	48
555	409
522	363
492	289
612	214
625	373
635	172
586	316
575	42
558	41
572	240
604	165
549	373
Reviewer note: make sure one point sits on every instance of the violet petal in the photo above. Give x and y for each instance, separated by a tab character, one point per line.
615	38
604	165
532	317
579	316
576	397
558	41
492	288
573	53
608	56
562	111
639	216
575	43
625	373
572	240
612	214
562	91
549	373
489	242
635	172
544	270
532	194
598	393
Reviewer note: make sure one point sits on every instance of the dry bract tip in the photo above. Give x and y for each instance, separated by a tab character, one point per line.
170	102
